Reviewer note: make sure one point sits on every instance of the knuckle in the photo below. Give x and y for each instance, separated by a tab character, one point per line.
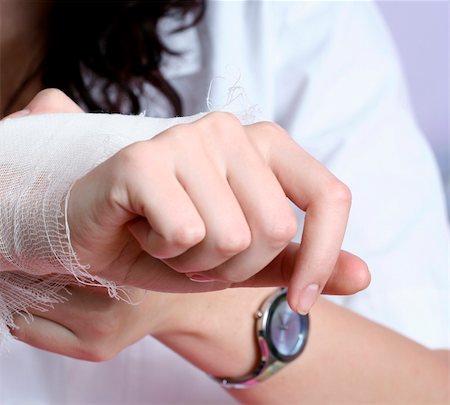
177	133
130	157
233	243
281	231
266	135
187	236
124	161
270	129
340	193
218	131
224	126
126	165
221	118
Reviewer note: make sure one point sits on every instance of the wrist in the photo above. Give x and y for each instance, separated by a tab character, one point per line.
214	331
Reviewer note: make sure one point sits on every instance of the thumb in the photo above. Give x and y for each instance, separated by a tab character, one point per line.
48	101
349	276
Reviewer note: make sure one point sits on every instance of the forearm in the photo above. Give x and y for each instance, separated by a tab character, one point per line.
348	359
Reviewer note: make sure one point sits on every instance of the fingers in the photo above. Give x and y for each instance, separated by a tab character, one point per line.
170	223
270	218
238	182
326	202
190	210
47	335
350	273
212	197
48	101
247	217
323	232
152	274
227	231
89	326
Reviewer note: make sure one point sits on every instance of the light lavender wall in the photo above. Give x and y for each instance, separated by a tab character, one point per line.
421	32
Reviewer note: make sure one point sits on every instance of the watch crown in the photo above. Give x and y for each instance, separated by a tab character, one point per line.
259	314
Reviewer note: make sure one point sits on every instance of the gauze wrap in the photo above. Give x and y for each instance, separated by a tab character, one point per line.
41	157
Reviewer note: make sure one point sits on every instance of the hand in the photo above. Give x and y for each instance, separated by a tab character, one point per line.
216	208
91	325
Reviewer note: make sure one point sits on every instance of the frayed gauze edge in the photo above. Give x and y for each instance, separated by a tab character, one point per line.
41	157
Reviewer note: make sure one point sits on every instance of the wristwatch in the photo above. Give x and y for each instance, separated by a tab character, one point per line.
282	335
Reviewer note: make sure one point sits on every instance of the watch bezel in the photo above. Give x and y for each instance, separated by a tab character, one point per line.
265	330
271	360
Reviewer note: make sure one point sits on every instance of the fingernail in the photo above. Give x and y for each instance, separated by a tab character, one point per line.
18	114
198	278
308	297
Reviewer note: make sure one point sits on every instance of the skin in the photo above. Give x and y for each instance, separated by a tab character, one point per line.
382	366
223	229
363	362
74	331
129	236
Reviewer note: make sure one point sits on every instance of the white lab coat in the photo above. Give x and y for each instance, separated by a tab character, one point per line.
327	72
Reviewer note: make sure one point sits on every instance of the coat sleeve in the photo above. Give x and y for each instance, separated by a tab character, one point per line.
340	92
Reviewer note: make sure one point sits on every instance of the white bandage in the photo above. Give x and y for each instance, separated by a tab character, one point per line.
41	156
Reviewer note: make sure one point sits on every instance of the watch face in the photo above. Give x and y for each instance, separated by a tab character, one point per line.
287	330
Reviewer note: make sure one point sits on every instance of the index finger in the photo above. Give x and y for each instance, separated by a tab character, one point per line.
326	201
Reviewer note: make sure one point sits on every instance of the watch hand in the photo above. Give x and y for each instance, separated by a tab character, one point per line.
283	325
287	320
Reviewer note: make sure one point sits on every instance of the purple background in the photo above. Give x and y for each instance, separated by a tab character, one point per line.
421	32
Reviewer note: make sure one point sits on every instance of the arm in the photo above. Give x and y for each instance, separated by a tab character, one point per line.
185	201
348	358
205	197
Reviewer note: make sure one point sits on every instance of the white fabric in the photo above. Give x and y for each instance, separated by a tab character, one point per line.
41	157
326	71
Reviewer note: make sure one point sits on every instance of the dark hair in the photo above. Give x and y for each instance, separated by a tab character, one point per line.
115	42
